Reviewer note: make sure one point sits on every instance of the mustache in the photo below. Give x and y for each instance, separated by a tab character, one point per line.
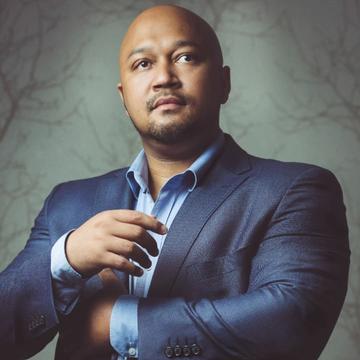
150	104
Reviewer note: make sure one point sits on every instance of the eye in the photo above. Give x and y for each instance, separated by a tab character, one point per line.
143	65
186	58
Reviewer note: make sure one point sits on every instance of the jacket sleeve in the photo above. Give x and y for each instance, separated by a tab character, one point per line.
297	286
28	317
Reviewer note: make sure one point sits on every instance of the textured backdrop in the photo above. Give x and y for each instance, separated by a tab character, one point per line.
295	96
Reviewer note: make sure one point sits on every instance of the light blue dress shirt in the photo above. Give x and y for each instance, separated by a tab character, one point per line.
68	283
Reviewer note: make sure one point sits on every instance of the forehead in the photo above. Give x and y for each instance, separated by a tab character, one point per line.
161	33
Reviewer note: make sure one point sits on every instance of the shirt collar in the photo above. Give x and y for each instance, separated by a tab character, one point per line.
137	174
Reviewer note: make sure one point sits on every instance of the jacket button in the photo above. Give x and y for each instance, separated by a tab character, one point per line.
177	350
195	349
186	350
169	352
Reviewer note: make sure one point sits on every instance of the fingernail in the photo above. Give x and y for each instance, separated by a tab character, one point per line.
154	252
164	229
139	271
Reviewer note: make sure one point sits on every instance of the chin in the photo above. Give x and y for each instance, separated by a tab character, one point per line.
172	133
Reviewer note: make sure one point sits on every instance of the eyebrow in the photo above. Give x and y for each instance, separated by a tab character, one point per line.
178	43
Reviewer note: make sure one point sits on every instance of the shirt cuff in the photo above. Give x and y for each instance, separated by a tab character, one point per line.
124	332
67	282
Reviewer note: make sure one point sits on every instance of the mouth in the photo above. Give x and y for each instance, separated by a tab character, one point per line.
169	103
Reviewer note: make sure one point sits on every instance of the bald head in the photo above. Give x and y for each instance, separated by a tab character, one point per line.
164	18
173	81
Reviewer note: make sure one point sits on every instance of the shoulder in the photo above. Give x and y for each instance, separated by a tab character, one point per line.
268	179
274	179
83	191
270	172
91	182
281	172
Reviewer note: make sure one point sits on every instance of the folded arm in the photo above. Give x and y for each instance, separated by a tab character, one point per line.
28	316
297	286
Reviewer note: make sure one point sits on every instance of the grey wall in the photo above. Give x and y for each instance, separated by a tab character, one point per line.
295	96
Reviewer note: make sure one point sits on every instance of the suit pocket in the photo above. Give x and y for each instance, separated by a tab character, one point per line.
236	261
217	278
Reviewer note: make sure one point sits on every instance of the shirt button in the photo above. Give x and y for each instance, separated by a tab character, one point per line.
132	351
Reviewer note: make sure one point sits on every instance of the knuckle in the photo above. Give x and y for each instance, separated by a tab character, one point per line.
137	217
139	232
130	248
99	222
102	214
100	255
121	262
105	215
98	234
155	222
102	260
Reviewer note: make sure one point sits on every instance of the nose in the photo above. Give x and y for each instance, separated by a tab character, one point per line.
165	76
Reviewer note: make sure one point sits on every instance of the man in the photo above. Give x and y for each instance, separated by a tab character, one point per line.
244	258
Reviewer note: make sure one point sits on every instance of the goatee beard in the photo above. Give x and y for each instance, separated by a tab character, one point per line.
170	133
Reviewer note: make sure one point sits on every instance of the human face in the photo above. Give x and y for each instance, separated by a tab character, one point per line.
172	87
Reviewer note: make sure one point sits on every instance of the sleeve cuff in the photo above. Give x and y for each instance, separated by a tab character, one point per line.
67	282
124	326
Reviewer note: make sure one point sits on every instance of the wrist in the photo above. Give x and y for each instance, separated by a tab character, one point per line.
99	321
69	254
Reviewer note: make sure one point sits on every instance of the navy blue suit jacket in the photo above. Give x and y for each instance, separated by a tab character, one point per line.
254	266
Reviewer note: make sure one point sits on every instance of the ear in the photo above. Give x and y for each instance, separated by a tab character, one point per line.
226	84
120	90
121	93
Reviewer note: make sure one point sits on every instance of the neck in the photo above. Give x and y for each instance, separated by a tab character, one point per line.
165	161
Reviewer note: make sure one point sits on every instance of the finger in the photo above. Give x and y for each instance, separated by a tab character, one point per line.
135	233
108	277
120	263
129	250
148	222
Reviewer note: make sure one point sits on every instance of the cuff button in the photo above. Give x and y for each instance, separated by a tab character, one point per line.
132	351
195	349
186	350
169	352
177	350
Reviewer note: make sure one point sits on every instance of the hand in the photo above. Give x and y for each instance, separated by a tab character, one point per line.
109	239
85	332
89	337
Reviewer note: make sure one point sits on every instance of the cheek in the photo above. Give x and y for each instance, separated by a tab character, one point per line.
134	98
131	102
136	88
202	85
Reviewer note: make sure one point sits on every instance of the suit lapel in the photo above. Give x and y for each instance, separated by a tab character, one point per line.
113	193
227	173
